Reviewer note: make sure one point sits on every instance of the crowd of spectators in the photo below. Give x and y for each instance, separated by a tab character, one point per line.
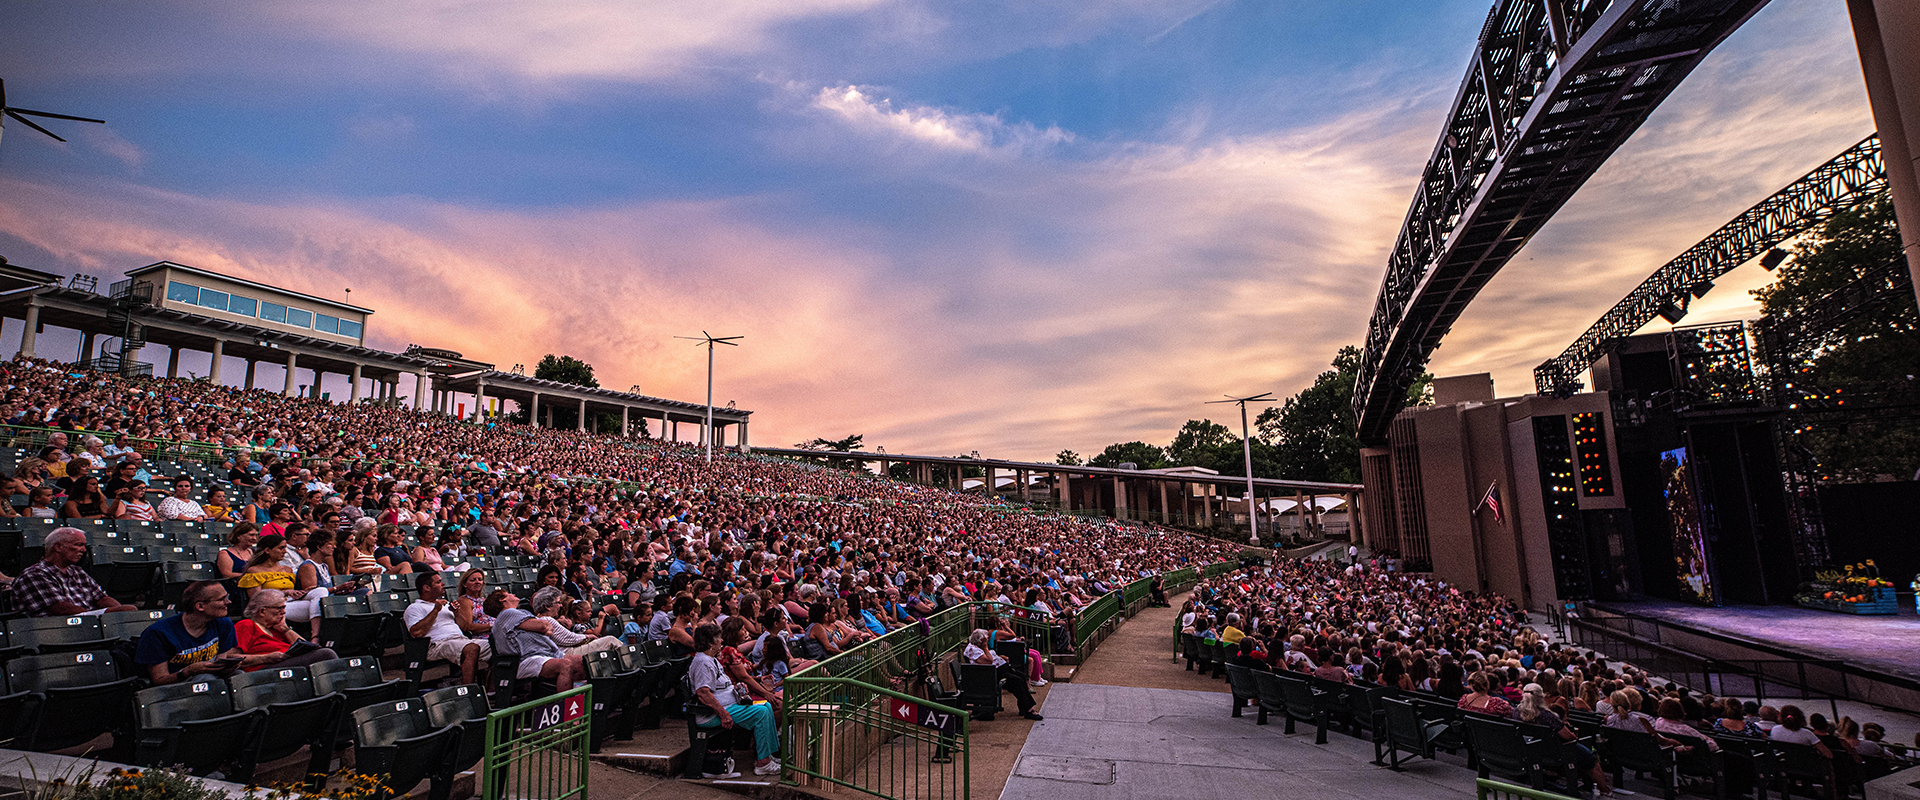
761	564
1349	623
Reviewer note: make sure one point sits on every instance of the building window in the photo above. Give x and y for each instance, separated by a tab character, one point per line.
214	300
299	319
349	329
183	293
241	305
273	312
326	324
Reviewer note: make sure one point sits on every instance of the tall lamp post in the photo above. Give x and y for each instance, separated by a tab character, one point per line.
710	340
1246	445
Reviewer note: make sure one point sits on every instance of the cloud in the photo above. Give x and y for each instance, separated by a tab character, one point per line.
598	39
110	142
391	127
1062	304
977	133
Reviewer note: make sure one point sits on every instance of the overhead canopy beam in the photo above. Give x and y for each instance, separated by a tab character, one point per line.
1848	181
1553	89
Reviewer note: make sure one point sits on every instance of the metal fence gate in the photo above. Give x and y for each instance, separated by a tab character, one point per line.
538	750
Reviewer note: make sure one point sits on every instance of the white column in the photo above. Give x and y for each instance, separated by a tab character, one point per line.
353	390
533	413
745	446
32	331
624	433
293	360
86	346
219	352
419	390
173	362
479	400
582	422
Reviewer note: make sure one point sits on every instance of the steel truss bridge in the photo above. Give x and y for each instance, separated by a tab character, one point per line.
1553	89
1848	181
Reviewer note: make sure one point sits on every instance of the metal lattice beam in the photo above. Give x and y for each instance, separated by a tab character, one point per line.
1851	179
1554	88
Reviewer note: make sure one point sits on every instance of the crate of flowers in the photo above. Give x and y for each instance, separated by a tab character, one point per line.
1854	589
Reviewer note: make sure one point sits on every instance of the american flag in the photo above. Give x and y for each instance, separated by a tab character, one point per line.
1490	500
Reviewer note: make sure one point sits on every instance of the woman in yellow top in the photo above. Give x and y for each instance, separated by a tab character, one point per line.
265	571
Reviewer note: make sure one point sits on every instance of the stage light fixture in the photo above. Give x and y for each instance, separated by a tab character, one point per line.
1672	312
1700	289
1773	259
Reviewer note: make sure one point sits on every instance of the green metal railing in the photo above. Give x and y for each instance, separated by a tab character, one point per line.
878	741
1136	591
1092	617
538	750
1499	790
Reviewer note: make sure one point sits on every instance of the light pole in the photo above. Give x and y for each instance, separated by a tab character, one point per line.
1246	445
706	432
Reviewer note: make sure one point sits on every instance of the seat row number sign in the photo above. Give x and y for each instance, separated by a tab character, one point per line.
924	717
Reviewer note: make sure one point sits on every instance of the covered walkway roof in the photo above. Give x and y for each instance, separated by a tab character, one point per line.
522	389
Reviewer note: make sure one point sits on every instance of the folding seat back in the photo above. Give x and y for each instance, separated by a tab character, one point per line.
396	741
1272	695
979	689
175	576
1190	649
296	716
57	634
19	716
1241	686
198	714
359	680
139	528
466	706
179	527
1303	703
127	626
1500	745
348	624
612	690
84	692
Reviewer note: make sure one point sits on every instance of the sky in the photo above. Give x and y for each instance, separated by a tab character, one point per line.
1004	227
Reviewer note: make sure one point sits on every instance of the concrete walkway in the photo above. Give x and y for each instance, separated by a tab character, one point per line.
1140	654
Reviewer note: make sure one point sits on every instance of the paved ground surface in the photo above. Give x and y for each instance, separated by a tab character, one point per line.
1889	644
1140	654
1118	742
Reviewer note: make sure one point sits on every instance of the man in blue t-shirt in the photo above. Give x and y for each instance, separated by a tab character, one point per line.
199	640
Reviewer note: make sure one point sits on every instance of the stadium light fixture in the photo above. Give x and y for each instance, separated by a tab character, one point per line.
710	340
1773	258
1673	312
1246	445
21	115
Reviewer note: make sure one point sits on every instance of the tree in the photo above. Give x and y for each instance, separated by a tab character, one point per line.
1205	443
1140	454
1313	434
846	445
1067	458
565	369
1860	356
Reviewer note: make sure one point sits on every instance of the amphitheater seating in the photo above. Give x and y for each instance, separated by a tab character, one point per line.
42	635
193	724
359	682
395	739
83	697
296	716
1242	687
466	706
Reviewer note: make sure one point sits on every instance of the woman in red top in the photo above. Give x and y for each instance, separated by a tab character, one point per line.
265	631
733	633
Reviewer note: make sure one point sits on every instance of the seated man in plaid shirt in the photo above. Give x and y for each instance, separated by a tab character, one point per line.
58	586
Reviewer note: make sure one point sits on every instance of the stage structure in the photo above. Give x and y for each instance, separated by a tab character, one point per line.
1850	180
1552	90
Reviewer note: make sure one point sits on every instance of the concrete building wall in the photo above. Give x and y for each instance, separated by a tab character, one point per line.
1448	497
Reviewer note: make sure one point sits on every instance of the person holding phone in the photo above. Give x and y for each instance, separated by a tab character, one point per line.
199	640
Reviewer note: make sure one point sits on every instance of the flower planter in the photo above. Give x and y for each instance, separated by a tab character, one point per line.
1880	601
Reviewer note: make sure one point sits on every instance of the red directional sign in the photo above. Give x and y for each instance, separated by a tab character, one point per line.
907	711
563	710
